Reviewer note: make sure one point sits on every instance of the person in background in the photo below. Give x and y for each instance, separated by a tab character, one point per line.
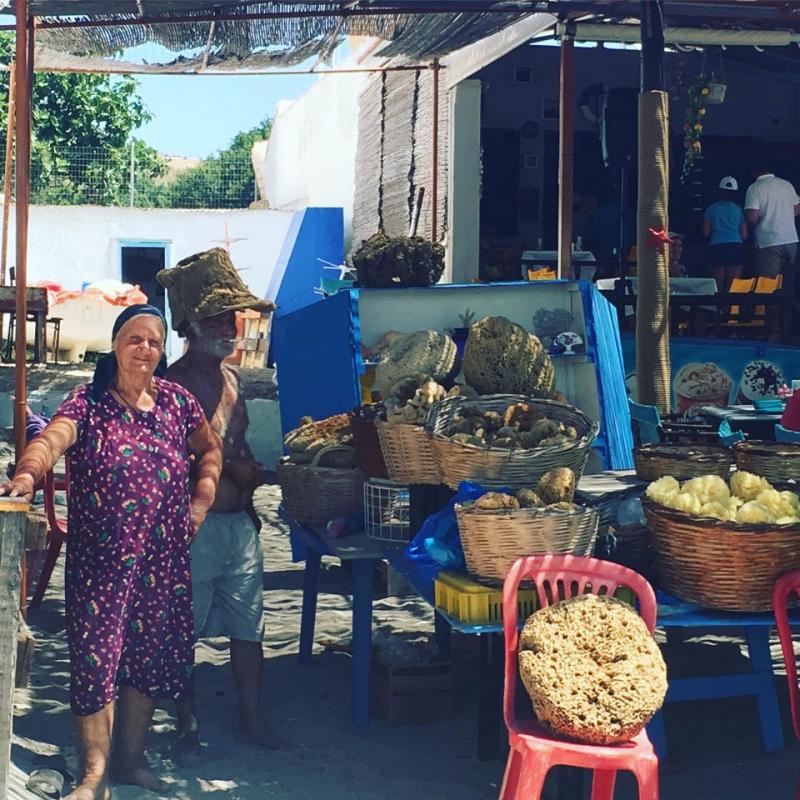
676	269
770	208
725	228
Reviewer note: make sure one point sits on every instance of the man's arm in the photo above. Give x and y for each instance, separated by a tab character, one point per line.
751	216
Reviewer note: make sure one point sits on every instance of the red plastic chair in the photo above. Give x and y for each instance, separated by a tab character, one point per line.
56	531
533	749
786	586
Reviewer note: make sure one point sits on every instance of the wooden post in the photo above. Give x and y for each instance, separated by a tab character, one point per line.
566	148
12	534
7	178
652	305
24	60
435	154
24	87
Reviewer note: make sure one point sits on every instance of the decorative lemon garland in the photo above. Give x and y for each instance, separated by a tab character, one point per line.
693	127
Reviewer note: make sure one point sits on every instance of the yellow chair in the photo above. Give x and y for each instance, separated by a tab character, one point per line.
740	285
543	274
766	286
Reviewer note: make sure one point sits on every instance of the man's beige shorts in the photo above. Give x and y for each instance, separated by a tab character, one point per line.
228	578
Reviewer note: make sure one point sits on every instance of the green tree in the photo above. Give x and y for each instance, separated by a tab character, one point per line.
82	130
224	180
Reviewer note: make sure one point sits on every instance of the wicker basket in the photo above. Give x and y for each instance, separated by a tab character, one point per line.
408	453
495	467
494	540
776	461
369	456
314	495
681	461
720	564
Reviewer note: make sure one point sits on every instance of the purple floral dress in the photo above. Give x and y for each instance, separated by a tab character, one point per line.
128	584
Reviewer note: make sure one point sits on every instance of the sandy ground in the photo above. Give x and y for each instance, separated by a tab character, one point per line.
715	746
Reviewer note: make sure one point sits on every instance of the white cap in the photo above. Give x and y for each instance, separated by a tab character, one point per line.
729	183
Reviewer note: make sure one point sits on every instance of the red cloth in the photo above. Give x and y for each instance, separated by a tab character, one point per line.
791	414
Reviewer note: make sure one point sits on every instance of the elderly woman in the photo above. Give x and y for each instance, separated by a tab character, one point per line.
130	437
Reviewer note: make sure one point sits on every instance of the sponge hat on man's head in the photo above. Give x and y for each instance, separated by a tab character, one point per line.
204	285
729	183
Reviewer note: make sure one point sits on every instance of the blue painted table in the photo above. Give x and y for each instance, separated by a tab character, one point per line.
672	615
363	554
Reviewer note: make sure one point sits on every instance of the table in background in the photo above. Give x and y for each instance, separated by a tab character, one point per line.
677	286
37	313
756	424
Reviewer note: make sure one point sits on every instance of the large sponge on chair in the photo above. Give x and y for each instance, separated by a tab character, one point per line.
592	669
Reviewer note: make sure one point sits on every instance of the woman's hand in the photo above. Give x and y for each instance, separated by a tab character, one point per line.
21	486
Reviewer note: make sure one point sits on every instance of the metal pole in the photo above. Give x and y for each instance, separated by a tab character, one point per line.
133	175
7	179
566	156
23	129
435	154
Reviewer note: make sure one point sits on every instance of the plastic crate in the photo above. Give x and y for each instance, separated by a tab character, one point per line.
468	601
420	694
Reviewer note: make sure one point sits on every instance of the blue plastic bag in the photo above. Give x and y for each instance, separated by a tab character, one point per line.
437	541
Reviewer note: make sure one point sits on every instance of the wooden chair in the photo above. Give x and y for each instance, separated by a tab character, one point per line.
752	319
56	531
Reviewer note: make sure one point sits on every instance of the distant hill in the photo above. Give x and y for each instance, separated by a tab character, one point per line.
176	165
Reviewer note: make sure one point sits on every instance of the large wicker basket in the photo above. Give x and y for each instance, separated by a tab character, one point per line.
495	467
681	461
778	462
408	453
314	495
494	540
720	564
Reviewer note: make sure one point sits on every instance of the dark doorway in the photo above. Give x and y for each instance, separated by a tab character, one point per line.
500	189
140	264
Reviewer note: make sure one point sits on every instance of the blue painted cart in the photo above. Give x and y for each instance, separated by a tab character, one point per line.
318	349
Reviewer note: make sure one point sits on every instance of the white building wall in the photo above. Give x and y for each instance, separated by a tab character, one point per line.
311	155
73	245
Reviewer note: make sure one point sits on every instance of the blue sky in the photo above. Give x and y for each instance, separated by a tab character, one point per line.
196	115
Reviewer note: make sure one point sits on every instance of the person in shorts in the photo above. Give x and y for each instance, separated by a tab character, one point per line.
770	208
726	230
205	291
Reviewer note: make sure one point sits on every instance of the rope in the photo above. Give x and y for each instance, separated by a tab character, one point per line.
652	313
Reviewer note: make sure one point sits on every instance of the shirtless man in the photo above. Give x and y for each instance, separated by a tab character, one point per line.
227	562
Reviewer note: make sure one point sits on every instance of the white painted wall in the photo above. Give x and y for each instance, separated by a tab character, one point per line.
310	157
73	245
464	182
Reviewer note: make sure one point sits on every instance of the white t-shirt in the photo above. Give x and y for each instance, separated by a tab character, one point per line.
774	199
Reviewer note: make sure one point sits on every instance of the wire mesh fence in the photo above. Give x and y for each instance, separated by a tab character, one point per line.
136	176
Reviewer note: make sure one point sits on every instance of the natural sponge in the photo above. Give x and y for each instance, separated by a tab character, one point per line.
425	353
501	357
592	669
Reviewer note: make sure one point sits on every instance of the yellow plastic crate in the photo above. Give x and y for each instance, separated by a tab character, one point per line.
468	601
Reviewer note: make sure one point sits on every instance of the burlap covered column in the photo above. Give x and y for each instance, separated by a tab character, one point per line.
652	310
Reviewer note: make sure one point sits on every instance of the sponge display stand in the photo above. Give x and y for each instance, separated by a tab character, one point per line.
318	349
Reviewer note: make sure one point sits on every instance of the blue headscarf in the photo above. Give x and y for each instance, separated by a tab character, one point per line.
106	369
